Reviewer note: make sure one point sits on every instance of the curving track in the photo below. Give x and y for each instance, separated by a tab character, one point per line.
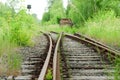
82	58
37	60
70	57
82	62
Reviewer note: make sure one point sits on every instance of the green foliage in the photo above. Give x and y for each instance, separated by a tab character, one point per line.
13	61
58	28
104	23
55	12
16	29
110	4
117	69
46	17
49	75
80	10
22	24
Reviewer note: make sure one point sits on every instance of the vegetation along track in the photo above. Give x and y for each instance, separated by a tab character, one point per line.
34	64
37	60
39	65
70	57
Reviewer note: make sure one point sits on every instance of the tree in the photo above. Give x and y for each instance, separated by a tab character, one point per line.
55	12
46	17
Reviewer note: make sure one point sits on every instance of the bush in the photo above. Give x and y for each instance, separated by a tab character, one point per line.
16	29
104	23
49	75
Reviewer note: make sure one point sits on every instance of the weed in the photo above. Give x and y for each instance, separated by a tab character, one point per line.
49	75
105	28
16	29
117	69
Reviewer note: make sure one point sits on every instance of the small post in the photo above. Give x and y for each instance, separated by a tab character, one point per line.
29	7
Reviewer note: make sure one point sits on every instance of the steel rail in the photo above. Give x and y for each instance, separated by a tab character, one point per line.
94	41
56	68
114	53
54	32
109	49
45	66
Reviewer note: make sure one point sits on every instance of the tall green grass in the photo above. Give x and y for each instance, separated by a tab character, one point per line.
16	29
104	27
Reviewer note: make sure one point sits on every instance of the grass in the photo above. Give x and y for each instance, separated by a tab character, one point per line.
117	69
16	29
49	75
10	60
10	64
115	66
103	32
95	30
58	28
104	29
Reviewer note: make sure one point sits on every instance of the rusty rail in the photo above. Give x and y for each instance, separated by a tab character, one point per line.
45	66
94	41
54	32
96	44
56	55
56	68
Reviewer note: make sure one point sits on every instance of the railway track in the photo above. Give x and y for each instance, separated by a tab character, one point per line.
86	59
70	57
38	60
34	64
